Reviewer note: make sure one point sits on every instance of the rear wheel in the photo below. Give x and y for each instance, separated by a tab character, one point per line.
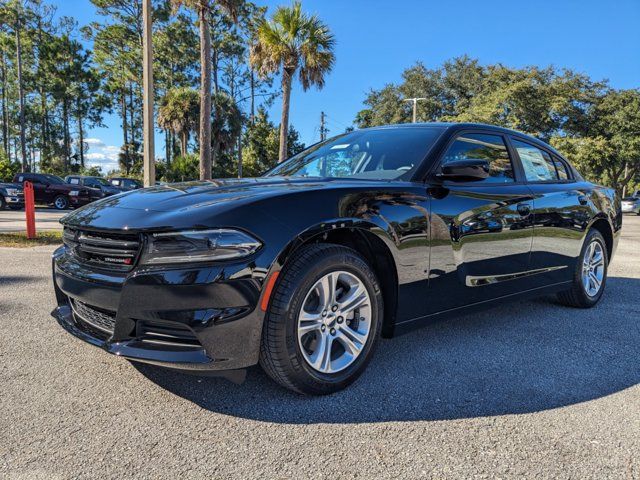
590	275
61	202
3	203
324	320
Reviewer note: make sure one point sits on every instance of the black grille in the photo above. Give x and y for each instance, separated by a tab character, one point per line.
166	333
102	320
113	251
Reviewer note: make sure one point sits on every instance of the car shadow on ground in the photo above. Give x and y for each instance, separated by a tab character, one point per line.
521	357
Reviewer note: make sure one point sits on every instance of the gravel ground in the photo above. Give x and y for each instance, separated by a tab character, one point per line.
528	389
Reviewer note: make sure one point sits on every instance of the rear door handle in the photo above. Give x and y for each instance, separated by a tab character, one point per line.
524	209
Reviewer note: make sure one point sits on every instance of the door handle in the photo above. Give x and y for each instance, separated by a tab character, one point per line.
583	199
524	209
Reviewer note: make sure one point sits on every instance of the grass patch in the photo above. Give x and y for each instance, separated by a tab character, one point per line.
20	240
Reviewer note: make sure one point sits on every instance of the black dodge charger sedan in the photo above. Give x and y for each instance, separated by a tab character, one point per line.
368	234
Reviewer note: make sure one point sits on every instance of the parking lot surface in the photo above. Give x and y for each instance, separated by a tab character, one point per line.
46	219
529	389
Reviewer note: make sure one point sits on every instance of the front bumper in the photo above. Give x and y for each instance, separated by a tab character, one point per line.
79	201
17	200
214	309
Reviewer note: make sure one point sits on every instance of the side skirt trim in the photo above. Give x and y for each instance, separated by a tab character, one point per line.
480	280
408	325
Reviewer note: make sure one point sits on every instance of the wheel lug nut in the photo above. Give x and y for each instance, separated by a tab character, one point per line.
334	308
324	313
332	331
340	319
323	328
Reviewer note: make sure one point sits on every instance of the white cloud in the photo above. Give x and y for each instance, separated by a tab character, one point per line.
101	155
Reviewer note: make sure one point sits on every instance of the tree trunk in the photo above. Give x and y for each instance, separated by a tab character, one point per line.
205	94
240	155
214	67
80	133
253	97
132	112
23	142
44	147
123	113
184	140
167	146
65	140
5	112
284	123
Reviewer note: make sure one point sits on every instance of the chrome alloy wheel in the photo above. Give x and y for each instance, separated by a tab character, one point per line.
60	203
334	322
593	268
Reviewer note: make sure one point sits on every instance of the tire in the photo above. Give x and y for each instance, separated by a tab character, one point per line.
3	203
61	202
286	356
578	296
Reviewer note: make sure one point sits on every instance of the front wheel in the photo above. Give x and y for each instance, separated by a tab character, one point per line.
61	202
323	322
590	275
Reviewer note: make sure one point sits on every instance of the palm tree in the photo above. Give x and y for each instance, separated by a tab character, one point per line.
179	113
203	9
292	41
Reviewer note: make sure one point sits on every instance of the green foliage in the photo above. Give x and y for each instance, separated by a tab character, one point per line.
293	41
94	171
183	169
595	126
179	112
611	151
7	168
260	145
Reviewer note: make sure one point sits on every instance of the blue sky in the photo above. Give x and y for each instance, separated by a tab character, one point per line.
378	39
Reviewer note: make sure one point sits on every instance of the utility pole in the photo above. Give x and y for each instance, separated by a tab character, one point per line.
147	96
415	106
23	143
323	127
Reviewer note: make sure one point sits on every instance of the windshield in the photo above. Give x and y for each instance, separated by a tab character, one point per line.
378	154
54	179
100	181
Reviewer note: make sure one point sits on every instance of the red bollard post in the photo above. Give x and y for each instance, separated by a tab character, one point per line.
30	210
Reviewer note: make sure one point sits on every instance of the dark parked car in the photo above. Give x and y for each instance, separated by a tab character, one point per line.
125	183
52	190
99	185
371	233
12	196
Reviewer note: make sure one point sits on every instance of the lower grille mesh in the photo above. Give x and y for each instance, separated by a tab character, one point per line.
98	319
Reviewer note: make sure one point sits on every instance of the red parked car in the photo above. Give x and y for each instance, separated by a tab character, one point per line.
52	190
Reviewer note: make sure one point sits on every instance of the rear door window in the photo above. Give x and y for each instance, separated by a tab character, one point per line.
561	168
537	164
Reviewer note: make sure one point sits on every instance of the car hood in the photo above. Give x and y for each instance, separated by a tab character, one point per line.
11	185
188	205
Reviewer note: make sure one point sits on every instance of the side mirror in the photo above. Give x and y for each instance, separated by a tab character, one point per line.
468	170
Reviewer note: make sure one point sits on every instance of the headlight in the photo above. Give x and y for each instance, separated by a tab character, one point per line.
198	246
12	192
74	193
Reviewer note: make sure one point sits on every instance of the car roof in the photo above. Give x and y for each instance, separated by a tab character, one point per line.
453	127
